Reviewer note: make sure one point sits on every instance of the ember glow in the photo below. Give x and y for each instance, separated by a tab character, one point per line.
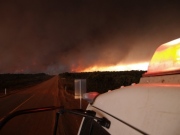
119	67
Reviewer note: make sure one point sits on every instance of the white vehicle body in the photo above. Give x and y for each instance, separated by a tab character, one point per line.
151	107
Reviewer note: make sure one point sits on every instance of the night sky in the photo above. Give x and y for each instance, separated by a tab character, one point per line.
55	36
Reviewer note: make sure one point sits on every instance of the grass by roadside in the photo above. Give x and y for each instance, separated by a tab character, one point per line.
12	83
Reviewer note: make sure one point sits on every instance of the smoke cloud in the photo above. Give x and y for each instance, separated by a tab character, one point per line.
61	36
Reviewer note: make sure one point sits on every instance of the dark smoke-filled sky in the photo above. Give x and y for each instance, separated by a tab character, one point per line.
55	36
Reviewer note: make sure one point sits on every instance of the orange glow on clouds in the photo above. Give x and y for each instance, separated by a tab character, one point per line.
119	67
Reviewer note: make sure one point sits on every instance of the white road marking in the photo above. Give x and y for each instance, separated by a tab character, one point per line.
19	106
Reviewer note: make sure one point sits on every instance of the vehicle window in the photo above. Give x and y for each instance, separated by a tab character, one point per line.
91	127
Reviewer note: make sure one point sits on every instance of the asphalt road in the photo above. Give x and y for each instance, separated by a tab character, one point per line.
48	93
41	95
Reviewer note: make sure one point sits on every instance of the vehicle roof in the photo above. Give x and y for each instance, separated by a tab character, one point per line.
153	108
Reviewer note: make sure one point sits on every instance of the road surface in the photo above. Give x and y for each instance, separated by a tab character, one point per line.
41	95
48	93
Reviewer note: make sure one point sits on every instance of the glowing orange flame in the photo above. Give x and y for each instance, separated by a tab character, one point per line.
119	67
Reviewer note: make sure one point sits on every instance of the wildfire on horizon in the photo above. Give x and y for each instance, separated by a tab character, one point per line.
84	36
119	67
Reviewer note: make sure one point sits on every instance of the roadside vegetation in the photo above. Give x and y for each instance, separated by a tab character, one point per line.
17	81
101	81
